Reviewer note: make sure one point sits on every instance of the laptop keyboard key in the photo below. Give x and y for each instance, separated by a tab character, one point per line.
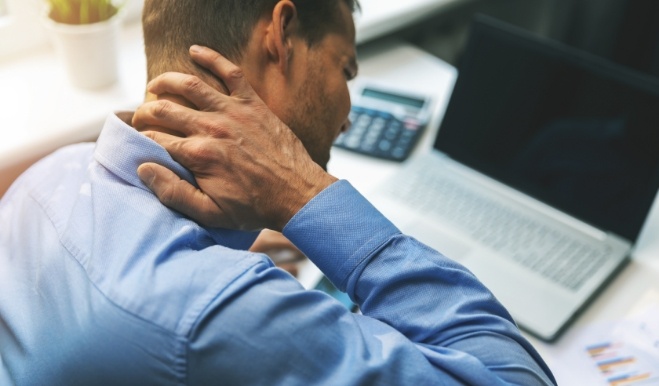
556	256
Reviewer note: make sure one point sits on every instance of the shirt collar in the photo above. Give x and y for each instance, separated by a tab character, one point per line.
121	149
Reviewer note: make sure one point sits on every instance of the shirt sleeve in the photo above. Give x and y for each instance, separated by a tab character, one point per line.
426	320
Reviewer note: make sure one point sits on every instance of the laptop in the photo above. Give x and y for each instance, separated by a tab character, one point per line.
543	171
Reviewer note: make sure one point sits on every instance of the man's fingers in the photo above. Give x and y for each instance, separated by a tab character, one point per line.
179	195
166	114
192	153
197	92
232	76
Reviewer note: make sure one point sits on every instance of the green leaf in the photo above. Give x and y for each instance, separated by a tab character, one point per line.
82	11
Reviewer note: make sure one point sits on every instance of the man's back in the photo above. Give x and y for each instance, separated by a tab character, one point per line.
100	284
96	280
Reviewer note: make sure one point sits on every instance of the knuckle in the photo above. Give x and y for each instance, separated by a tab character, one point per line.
199	155
217	130
161	109
215	101
203	153
195	148
236	73
192	83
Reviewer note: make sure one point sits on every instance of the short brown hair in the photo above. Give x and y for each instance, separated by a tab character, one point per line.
172	26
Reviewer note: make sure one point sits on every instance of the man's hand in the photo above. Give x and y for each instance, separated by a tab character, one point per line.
253	172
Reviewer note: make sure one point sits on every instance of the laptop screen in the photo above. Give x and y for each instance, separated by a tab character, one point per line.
565	127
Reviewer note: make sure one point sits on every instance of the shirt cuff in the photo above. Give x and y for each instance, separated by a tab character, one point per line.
339	230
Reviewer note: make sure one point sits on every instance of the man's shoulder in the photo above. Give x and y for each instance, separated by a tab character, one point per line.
61	161
53	171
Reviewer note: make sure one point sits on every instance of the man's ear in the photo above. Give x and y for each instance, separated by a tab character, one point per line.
284	30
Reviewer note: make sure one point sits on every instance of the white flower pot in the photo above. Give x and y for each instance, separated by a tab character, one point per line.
90	51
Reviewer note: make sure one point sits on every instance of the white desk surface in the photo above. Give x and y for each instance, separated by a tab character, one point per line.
404	65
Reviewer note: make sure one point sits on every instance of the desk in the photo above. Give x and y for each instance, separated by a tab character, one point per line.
402	64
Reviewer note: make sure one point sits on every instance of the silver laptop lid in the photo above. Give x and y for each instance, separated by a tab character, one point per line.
568	128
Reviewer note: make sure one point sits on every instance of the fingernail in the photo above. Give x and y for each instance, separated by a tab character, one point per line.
195	49
146	174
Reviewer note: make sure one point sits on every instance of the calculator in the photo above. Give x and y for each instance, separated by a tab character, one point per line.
386	122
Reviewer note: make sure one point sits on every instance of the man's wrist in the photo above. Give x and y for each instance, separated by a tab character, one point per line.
341	217
307	188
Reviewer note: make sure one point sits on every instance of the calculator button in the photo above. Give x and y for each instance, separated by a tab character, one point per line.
390	134
364	118
374	132
378	123
370	138
384	145
395	125
360	127
398	152
368	143
408	134
352	142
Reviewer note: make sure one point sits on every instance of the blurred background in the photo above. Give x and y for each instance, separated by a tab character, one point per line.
625	31
41	111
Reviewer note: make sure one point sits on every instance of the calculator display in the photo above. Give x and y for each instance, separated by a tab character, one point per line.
399	99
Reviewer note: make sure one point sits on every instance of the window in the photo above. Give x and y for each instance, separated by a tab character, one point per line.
20	29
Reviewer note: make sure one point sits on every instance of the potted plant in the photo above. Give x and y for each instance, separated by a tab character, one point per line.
85	34
81	11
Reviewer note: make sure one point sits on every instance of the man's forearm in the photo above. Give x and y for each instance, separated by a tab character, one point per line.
433	301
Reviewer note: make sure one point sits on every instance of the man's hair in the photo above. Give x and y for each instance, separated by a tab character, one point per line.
172	26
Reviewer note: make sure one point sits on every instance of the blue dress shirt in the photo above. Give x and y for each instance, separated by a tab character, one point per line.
102	285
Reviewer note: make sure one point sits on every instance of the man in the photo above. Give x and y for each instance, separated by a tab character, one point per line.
101	284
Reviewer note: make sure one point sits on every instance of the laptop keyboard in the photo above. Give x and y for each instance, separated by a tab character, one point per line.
553	254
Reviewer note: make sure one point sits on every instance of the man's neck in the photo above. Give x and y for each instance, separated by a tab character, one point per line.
126	117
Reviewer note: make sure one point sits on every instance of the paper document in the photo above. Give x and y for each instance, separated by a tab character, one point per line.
629	354
622	352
